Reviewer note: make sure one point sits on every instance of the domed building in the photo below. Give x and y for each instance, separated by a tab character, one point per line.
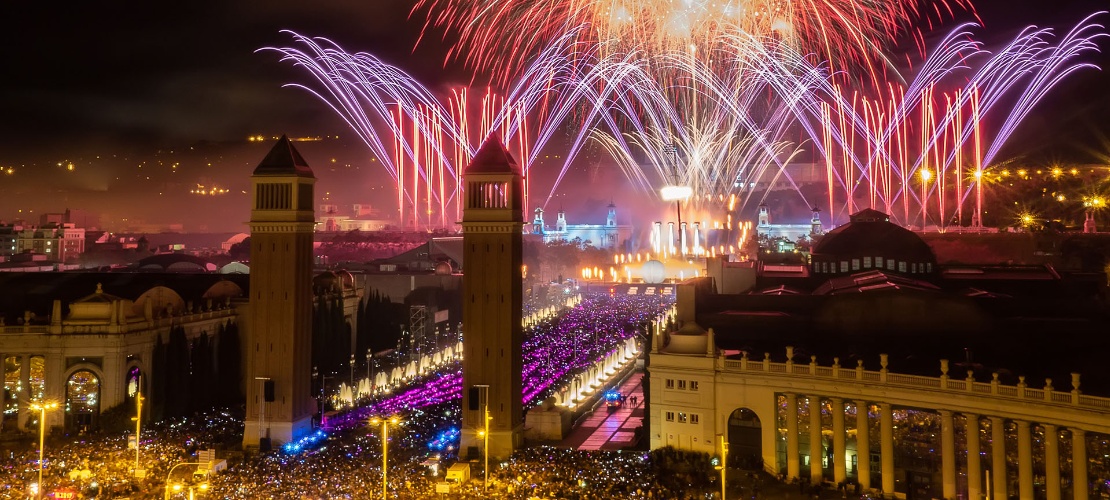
870	241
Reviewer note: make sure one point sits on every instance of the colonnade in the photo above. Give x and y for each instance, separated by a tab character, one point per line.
53	387
975	473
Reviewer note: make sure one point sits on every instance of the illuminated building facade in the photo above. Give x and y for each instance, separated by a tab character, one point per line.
608	236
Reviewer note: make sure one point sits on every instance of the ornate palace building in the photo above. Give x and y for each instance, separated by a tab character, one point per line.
873	364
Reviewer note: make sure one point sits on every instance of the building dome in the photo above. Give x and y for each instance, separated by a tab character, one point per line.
326	282
871	241
443	268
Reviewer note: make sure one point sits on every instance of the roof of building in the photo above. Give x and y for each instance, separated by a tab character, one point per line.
871	281
284	159
493	158
175	262
870	233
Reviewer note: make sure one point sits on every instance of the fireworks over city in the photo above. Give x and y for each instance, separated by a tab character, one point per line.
846	33
722	110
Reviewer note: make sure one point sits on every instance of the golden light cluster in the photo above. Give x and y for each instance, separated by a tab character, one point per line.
203	190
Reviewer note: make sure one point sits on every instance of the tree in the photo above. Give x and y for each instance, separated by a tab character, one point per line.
229	369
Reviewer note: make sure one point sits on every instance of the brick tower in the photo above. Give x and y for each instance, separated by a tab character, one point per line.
279	340
493	222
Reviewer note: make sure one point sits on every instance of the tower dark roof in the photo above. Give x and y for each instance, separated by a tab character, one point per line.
493	158
284	159
870	233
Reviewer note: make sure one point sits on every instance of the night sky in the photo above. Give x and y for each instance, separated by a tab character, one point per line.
118	77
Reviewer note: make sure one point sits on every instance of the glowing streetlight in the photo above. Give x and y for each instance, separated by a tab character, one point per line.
176	487
41	408
385	448
138	426
484	433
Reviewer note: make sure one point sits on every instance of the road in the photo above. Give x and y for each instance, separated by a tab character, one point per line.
606	429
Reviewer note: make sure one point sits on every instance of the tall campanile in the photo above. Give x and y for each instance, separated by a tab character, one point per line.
279	343
493	222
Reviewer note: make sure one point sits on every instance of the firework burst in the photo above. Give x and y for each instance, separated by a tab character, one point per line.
497	35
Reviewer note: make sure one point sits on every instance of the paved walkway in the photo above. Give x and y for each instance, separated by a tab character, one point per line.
605	429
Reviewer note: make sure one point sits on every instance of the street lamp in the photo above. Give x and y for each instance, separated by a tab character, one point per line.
177	486
724	464
41	408
138	426
352	370
385	448
485	435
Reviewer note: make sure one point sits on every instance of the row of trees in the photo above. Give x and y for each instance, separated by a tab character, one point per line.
378	326
190	377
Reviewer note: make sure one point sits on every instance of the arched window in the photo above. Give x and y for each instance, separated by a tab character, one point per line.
132	382
82	400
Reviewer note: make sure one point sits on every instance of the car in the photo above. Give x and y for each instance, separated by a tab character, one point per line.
614	399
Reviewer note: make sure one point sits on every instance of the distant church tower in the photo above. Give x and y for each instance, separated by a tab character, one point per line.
278	372
537	223
815	222
611	219
764	215
492	223
561	222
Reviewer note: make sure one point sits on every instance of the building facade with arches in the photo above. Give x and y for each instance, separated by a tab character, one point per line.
94	354
980	436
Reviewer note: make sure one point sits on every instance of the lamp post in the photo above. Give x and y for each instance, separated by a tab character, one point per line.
352	370
177	487
41	408
485	435
138	425
385	448
724	464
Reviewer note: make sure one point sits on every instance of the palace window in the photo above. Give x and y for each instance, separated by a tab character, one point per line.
855	264
681	418
670	416
693	385
694	418
879	262
867	262
682	384
670	383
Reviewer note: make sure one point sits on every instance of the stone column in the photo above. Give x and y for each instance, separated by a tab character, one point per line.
815	449
998	458
793	471
1051	462
1079	463
54	372
863	446
886	447
1025	461
840	472
947	454
974	466
24	395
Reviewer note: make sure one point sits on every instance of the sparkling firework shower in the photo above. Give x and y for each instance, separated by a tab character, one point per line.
918	151
421	141
923	152
847	33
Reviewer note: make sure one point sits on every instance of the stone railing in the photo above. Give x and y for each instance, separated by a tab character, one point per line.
1020	392
135	324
